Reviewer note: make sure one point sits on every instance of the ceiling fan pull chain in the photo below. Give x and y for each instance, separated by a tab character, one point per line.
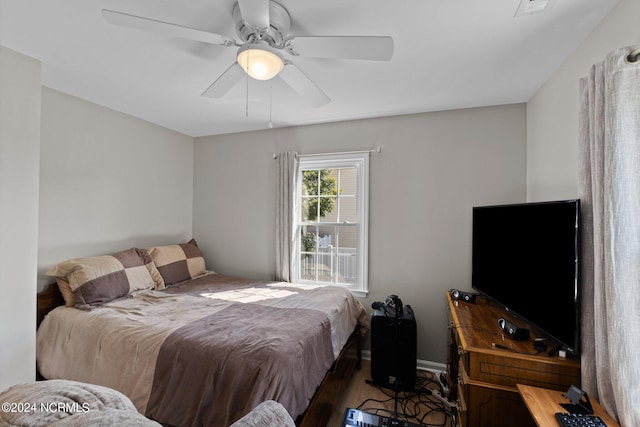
270	124
246	108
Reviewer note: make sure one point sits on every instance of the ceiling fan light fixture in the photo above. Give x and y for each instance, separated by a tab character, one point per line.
260	61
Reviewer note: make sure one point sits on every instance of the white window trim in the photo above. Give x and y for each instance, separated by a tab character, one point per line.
328	161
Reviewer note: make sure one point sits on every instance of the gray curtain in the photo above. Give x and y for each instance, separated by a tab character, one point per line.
609	189
287	175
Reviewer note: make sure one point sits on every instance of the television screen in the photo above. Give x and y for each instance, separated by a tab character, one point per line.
526	258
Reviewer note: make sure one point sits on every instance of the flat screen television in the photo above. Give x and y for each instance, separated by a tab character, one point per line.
526	257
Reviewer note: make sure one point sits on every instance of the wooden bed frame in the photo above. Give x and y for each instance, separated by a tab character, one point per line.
324	401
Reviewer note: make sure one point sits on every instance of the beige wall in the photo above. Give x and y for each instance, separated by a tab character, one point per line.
552	114
76	179
432	169
19	158
109	181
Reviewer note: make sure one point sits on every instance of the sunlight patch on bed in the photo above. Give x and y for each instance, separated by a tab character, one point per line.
249	295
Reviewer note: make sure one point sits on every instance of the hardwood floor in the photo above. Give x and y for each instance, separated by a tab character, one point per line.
416	408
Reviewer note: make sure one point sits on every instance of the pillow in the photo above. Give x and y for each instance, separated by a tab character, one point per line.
100	279
67	294
177	263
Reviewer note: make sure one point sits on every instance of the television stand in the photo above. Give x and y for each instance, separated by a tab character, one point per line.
484	367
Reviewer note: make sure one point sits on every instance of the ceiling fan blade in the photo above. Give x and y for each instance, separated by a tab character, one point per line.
294	77
373	48
148	24
255	13
226	81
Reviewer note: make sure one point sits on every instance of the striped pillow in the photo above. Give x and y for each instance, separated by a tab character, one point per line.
100	279
177	263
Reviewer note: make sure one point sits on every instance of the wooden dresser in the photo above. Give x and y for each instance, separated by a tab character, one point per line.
483	378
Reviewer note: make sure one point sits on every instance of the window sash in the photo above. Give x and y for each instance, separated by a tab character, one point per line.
301	267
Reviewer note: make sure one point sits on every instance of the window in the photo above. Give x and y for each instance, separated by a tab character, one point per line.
331	213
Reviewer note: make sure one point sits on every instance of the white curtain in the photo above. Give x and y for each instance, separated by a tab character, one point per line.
287	176
609	189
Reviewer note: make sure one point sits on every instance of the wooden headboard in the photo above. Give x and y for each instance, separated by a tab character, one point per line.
48	299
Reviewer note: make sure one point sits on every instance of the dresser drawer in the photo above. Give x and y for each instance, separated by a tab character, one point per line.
509	371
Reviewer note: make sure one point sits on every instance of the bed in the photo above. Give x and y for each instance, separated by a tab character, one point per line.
190	347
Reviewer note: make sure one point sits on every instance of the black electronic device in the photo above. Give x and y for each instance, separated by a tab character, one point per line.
540	344
358	418
579	420
512	331
579	401
392	306
463	296
526	258
393	345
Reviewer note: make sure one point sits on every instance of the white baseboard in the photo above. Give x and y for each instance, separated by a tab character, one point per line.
424	365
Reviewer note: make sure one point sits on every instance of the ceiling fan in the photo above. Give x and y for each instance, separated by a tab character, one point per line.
262	27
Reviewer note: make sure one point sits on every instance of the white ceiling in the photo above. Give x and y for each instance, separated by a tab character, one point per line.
448	54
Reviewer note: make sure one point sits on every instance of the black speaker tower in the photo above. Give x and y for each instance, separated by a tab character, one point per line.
393	347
